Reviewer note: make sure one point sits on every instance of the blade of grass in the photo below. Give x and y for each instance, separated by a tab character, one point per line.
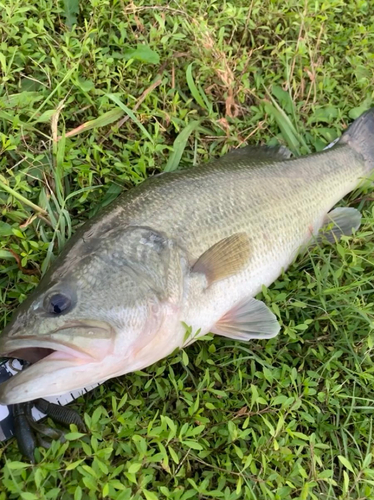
195	91
102	121
285	126
68	75
128	111
60	223
58	171
21	198
5	254
179	146
206	100
288	130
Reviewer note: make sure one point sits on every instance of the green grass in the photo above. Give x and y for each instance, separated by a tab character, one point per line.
92	101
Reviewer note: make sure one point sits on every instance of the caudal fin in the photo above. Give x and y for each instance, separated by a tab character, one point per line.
360	136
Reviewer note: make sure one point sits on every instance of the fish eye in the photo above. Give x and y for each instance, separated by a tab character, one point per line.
57	303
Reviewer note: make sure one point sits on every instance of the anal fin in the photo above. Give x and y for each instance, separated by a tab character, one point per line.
339	222
249	319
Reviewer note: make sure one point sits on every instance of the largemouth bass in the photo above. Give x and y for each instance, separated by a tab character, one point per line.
192	247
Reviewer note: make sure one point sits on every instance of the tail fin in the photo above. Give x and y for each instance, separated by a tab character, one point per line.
360	136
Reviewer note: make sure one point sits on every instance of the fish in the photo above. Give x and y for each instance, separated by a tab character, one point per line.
187	248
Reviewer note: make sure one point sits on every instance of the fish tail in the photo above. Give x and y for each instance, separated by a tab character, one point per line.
360	136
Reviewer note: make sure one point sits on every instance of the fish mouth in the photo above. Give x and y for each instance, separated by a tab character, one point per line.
34	354
32	349
55	366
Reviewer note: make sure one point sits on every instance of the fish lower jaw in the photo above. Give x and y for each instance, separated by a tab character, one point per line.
56	369
54	375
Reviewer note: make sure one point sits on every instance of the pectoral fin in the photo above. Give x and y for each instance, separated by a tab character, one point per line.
343	221
250	319
225	258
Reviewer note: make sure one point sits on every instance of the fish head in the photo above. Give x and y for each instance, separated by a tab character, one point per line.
88	323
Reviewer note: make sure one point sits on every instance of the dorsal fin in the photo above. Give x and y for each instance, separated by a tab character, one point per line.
278	152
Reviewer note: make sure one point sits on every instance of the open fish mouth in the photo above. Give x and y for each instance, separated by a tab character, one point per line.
54	366
92	340
37	351
30	354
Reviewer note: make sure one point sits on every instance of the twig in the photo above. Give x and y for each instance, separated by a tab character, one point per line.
19	263
153	85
